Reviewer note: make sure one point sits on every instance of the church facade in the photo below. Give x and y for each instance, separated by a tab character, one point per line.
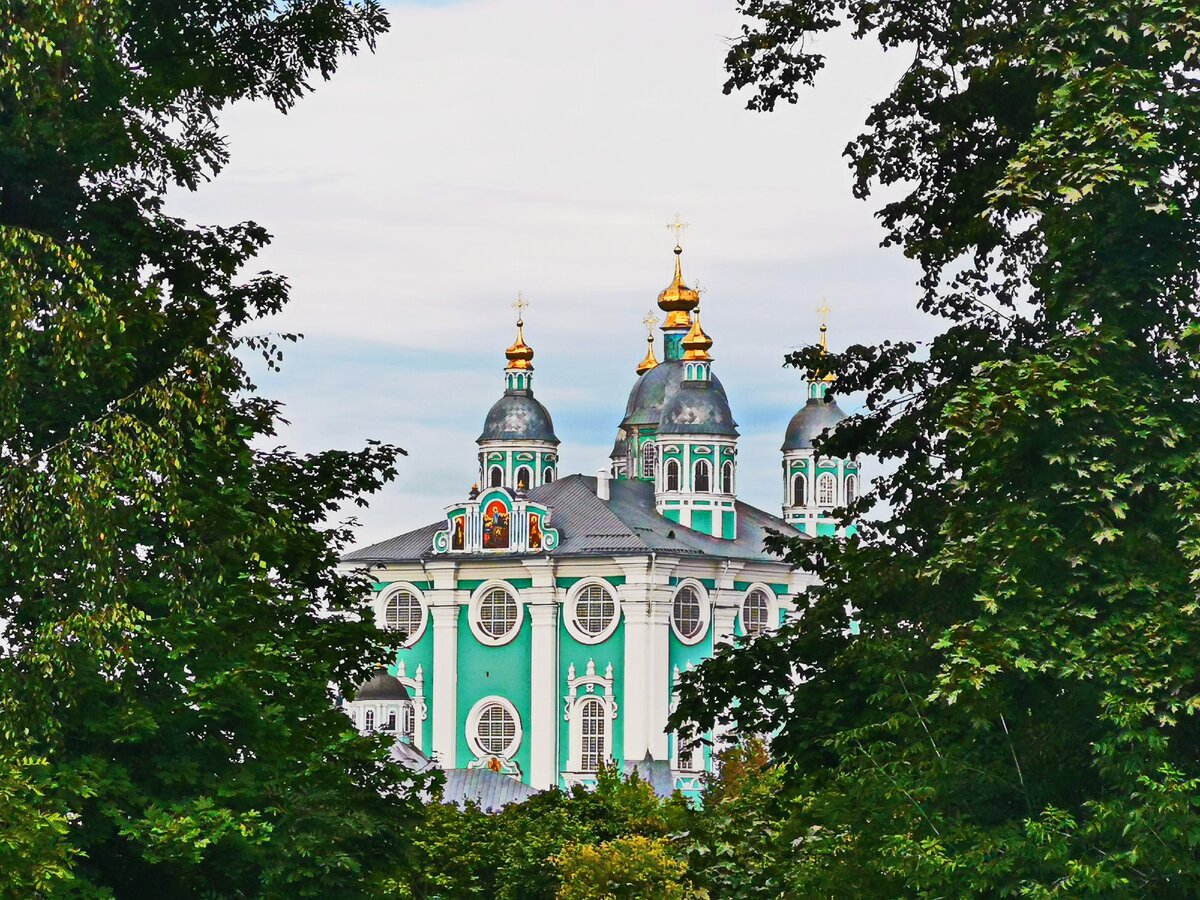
543	623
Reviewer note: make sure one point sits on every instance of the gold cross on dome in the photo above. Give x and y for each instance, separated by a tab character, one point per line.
679	226
698	289
824	310
520	305
650	321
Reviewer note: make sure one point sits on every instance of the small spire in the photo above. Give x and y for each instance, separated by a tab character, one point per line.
824	310
648	362
678	299
520	354
696	342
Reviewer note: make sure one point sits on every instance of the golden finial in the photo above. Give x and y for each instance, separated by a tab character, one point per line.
648	362
696	343
678	299
824	310
520	354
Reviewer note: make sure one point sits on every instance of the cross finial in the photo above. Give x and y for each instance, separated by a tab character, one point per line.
678	226
520	305
698	289
824	310
650	321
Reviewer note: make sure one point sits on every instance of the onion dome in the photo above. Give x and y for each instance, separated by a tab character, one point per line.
697	407
677	300
815	417
648	362
520	354
381	686
652	391
517	416
696	343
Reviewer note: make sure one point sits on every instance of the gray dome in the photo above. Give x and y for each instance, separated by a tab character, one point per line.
381	686
697	407
517	416
813	418
654	389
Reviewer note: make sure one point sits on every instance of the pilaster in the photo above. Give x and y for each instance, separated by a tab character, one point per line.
543	690
445	683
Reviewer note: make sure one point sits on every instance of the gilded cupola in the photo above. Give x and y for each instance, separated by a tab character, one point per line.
696	343
648	361
677	300
520	354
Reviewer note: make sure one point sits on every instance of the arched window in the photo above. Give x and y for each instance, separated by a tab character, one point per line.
524	477
403	613
594	722
496	476
799	491
851	489
369	720
408	721
548	475
756	610
391	720
727	478
825	489
498	613
649	459
689	752
686	612
672	475
701	477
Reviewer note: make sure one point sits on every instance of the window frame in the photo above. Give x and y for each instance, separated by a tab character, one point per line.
672	468
826	481
727	485
493	471
475	716
385	597
649	459
705	620
772	613
570	618
474	617
528	478
851	489
707	470
799	478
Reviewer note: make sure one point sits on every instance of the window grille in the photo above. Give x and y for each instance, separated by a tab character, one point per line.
369	720
403	613
799	491
496	731
727	478
594	722
672	475
408	721
594	609
649	459
755	611
825	490
701	482
686	612
497	613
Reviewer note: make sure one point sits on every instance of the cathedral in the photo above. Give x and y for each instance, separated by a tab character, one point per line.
543	623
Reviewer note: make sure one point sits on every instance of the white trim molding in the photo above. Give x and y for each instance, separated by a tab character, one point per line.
569	617
772	608
473	613
503	761
385	595
581	690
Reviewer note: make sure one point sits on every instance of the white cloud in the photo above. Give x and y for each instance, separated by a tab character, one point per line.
492	146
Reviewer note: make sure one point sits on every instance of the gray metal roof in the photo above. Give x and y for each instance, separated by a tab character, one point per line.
588	526
652	391
813	418
517	416
655	772
381	686
492	791
697	407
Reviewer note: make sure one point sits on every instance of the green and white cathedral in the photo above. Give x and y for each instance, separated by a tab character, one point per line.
546	619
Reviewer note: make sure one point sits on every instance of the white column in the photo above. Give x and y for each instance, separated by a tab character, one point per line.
543	696
658	680
635	704
445	684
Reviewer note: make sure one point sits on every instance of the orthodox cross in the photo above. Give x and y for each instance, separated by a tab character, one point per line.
678	226
520	305
650	321
824	310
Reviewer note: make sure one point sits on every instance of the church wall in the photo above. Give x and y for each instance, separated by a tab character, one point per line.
609	652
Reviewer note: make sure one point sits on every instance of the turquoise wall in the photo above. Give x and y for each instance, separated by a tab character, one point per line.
573	651
503	671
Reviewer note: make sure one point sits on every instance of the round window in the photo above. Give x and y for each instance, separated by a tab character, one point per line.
495	731
498	613
687	614
403	613
595	610
756	610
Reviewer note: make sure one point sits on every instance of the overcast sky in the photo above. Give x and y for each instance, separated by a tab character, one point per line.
496	146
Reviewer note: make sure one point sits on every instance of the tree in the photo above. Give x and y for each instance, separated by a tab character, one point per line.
626	867
172	615
1018	715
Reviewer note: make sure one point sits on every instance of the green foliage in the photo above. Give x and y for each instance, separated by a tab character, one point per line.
629	867
515	854
1018	716
172	615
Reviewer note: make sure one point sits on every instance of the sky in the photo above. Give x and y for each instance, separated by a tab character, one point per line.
495	146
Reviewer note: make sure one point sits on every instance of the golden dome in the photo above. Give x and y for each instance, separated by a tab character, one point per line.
649	362
696	342
678	299
520	354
